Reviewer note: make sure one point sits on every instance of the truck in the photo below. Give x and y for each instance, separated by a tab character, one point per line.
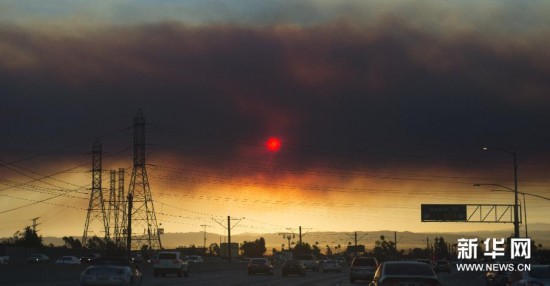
224	250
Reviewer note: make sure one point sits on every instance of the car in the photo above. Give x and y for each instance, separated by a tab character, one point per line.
497	278
330	265
442	266
538	275
4	259
341	260
167	262
194	259
362	268
38	259
85	260
137	258
111	271
293	266
260	265
404	273
310	261
68	260
245	259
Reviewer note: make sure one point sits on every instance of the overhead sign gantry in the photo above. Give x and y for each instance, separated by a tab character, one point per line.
486	213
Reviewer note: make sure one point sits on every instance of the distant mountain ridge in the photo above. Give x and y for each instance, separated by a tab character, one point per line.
539	232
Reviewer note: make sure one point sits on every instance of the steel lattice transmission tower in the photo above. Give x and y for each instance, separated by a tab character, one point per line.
96	220
120	215
111	206
144	220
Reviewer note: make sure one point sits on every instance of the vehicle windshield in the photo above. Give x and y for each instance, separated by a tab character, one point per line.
540	272
364	262
122	261
293	262
104	269
408	269
167	256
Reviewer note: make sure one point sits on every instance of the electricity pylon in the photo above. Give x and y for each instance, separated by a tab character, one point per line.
144	220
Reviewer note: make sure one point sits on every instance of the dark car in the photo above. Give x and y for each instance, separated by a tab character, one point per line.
260	265
404	273
362	268
442	266
497	278
295	267
537	275
38	259
85	259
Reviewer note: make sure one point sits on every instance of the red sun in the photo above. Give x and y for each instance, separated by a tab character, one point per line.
273	144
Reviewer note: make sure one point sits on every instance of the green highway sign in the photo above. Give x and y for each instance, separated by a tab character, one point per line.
443	213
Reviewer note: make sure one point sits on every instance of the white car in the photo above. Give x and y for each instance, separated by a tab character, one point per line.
110	275
111	271
309	261
68	260
170	262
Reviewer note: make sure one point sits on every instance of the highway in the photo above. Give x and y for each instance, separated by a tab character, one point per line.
219	273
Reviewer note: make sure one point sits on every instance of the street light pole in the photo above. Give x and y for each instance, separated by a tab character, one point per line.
525	214
524	205
516	213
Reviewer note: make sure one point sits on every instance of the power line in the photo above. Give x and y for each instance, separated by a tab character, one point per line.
36	202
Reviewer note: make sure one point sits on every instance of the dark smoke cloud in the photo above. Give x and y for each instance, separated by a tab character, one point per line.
386	87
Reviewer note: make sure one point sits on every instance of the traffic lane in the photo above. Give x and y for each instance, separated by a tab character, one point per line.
241	277
460	278
238	277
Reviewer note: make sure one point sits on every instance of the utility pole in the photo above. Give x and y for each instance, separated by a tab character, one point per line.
395	240
356	239
34	224
300	232
287	236
204	242
229	227
229	239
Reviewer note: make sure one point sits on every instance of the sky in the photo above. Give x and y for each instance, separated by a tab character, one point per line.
380	107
